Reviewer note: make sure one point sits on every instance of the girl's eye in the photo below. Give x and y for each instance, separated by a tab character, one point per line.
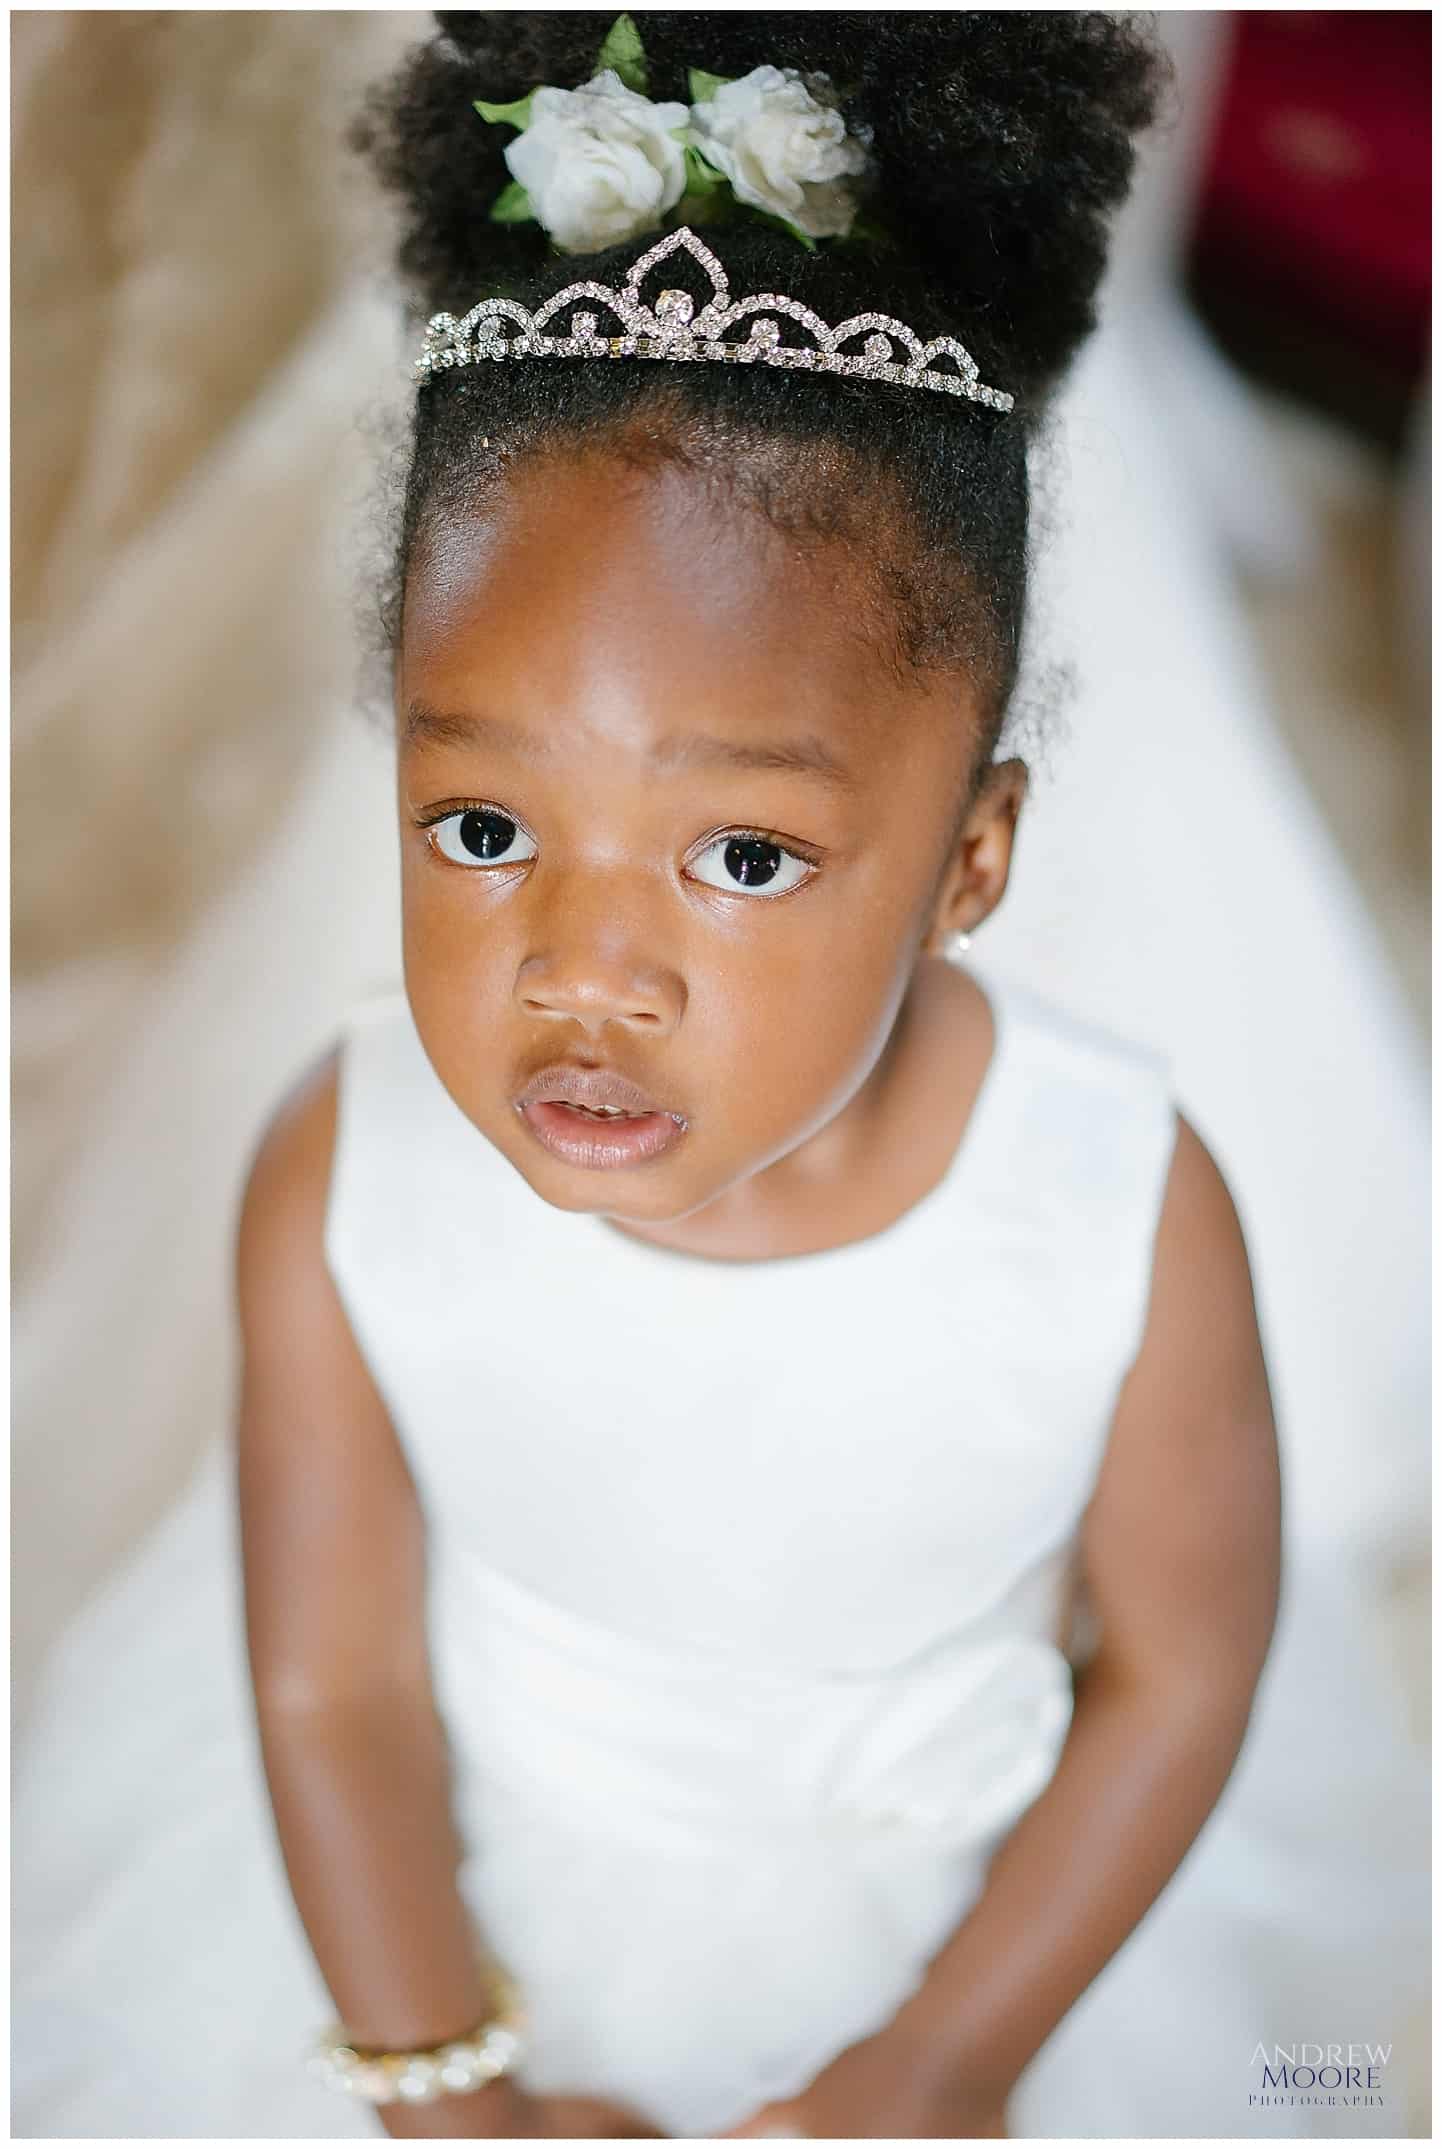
740	863
480	836
743	864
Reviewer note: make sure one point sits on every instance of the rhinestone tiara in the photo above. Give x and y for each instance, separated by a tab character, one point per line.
674	330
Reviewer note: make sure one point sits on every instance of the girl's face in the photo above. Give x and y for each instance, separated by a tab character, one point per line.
661	817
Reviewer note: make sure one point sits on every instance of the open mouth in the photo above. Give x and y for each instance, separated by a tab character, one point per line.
601	1111
601	1136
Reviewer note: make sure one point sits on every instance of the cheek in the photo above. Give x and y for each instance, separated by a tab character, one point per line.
792	1021
459	967
453	918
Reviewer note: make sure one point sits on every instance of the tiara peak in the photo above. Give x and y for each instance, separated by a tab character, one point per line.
673	330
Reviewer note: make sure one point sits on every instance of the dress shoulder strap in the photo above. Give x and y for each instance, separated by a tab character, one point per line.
395	1116
1084	1146
410	1180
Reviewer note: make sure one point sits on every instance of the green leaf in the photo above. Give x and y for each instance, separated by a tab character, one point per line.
514	115
512	205
701	177
782	224
716	208
622	51
704	86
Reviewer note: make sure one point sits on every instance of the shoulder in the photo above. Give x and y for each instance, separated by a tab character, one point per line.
1199	1383
302	1366
1199	1234
368	1067
280	1236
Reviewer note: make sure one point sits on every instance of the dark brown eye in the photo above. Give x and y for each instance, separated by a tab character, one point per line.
750	861
480	836
745	864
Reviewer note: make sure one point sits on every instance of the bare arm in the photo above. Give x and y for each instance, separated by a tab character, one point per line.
334	1563
1181	1549
334	1558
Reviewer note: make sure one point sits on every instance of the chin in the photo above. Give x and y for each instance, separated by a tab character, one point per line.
636	1194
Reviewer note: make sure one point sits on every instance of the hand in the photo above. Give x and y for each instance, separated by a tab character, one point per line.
502	2111
881	2087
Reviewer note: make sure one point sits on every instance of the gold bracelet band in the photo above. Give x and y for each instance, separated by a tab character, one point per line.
464	2063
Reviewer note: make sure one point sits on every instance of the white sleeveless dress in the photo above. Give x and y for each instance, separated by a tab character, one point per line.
752	1596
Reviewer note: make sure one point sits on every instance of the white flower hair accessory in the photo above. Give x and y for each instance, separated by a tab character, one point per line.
781	150
602	164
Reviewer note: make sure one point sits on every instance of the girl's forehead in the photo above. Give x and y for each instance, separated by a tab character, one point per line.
586	562
618	741
641	611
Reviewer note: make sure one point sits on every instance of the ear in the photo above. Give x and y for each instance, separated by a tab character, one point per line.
974	876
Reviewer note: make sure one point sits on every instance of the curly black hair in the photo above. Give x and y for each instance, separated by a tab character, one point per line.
1000	145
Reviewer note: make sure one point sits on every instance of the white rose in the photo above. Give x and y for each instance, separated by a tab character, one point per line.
781	150
599	163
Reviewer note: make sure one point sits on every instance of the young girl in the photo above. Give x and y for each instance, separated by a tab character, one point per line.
696	1338
756	1474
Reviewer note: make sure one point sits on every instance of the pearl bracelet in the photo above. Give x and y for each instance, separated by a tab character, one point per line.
491	2049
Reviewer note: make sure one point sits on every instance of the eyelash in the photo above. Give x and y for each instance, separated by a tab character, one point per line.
806	857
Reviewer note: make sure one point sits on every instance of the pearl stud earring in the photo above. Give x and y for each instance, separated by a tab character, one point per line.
956	944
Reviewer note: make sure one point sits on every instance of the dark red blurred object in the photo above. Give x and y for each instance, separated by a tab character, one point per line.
1311	252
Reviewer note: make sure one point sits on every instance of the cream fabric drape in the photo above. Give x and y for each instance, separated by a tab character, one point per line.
202	342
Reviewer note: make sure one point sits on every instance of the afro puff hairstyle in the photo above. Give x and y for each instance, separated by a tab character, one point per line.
1001	144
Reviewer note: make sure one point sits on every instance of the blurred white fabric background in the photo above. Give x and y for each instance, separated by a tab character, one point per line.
204	851
202	855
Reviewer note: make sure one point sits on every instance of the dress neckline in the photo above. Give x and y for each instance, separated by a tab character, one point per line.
911	1223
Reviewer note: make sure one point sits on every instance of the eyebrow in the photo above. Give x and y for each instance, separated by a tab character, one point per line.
805	754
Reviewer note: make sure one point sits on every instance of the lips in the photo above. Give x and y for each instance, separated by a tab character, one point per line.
593	1088
596	1118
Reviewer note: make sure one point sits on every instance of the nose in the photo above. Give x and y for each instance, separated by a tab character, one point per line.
595	964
